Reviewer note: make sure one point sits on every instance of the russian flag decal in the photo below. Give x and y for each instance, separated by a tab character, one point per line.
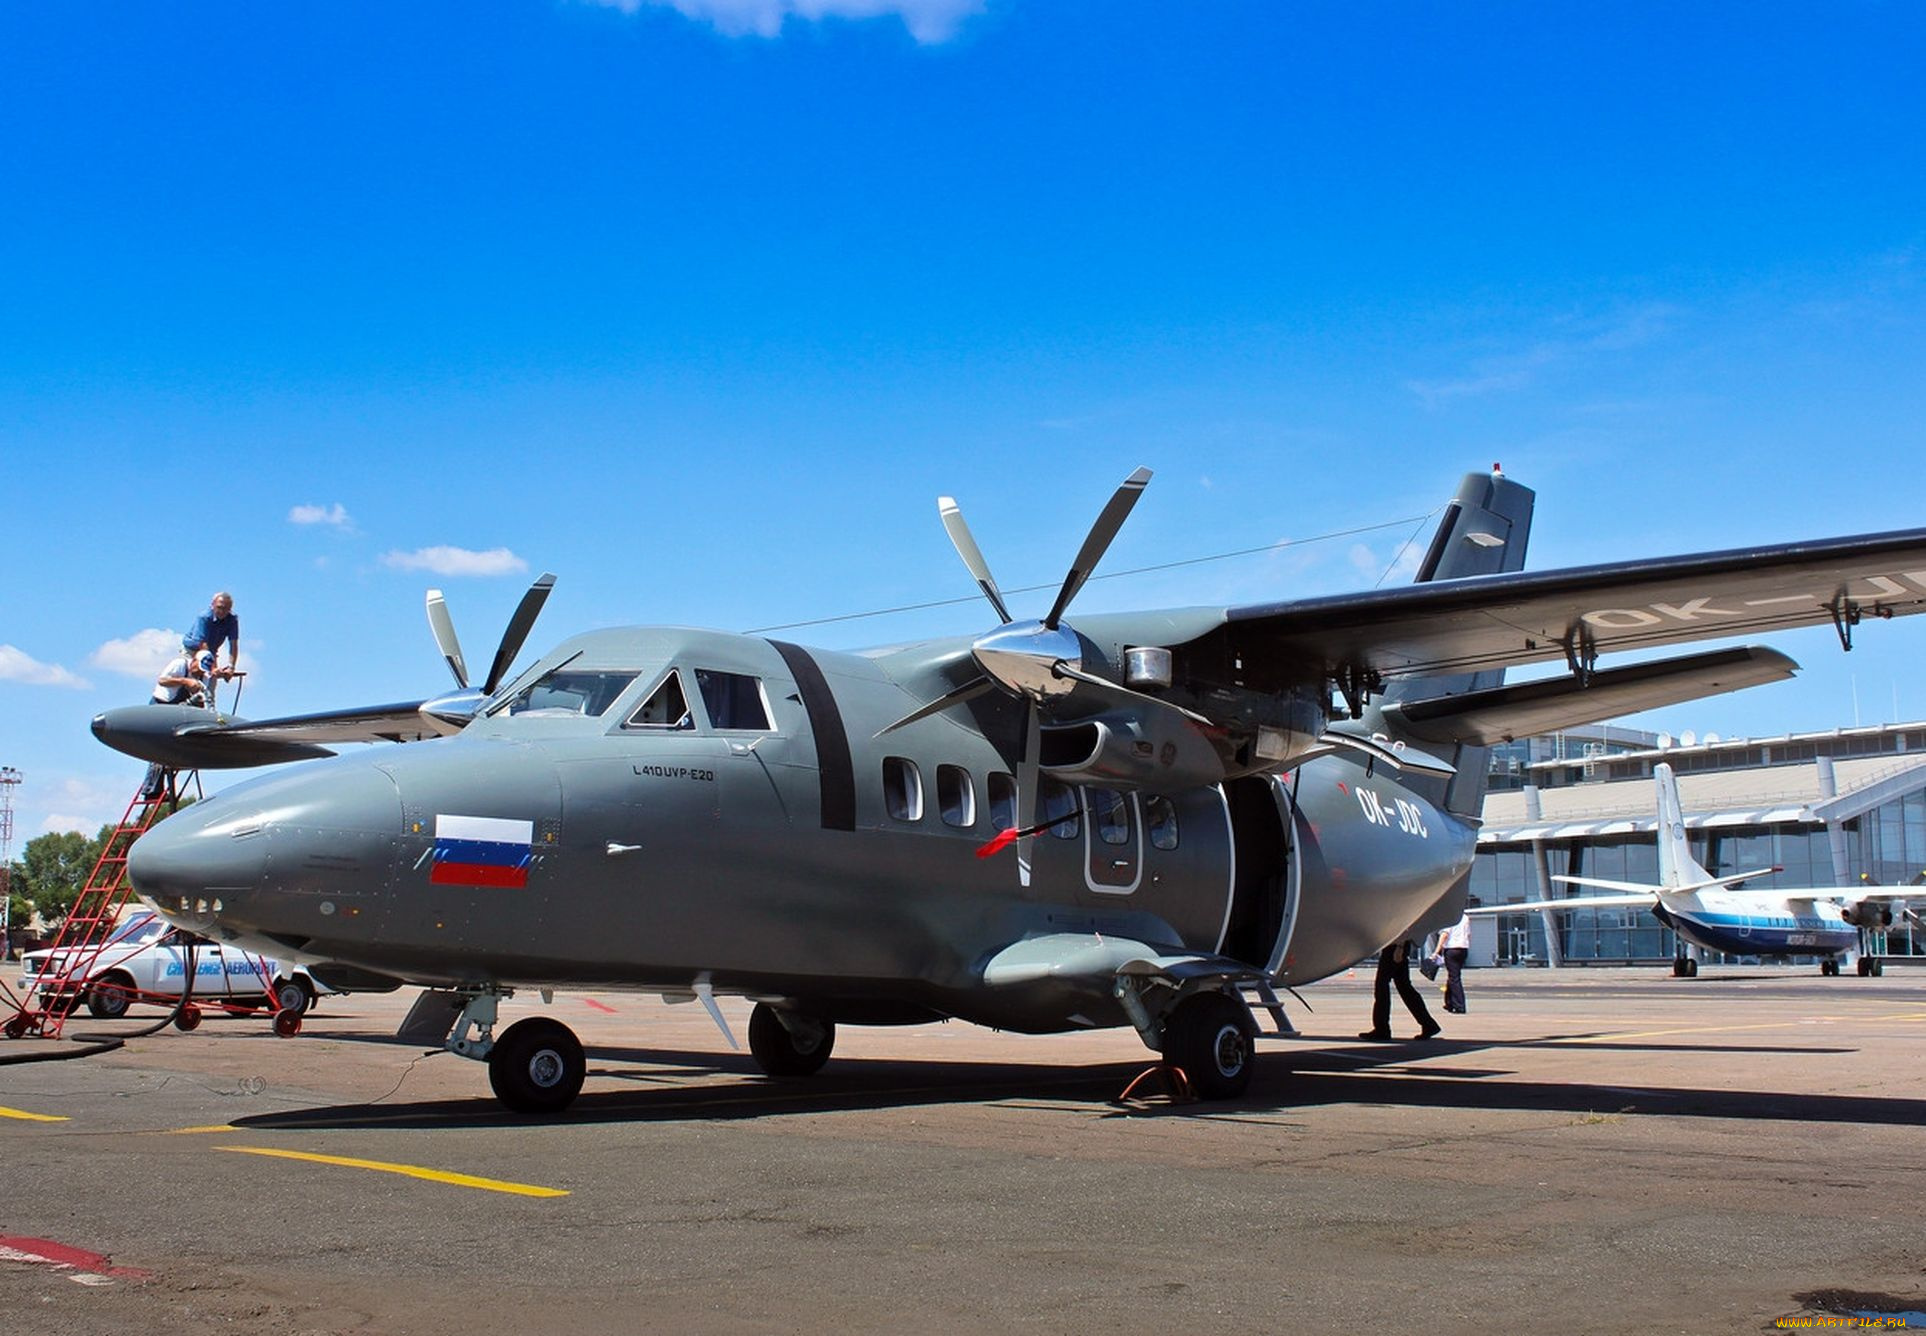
481	851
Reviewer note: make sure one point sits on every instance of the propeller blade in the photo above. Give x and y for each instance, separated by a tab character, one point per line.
967	549
1104	687
444	628
518	628
968	691
1101	534
1026	794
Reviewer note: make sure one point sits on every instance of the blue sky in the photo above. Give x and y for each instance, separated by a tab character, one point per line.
701	304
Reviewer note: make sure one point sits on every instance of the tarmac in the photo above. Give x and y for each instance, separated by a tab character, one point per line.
1594	1150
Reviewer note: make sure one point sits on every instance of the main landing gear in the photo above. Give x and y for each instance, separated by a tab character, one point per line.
788	1043
1209	1036
1684	967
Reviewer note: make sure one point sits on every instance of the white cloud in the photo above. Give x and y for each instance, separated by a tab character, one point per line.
1577	339
142	654
456	561
19	666
335	516
80	804
928	21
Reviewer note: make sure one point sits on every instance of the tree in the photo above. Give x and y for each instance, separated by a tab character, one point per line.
52	871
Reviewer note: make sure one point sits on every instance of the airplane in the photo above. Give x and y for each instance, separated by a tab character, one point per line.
1142	819
1785	921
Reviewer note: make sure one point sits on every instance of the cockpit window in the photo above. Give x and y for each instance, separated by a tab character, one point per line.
666	707
733	700
582	691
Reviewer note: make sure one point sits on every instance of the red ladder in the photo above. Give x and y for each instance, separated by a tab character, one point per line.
84	931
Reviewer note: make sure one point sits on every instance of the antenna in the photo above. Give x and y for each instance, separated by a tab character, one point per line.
9	781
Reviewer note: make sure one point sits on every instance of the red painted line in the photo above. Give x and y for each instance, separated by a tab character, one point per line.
599	1006
48	1253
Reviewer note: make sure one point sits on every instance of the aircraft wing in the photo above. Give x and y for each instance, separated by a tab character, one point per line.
400	722
1643	899
1468	625
190	738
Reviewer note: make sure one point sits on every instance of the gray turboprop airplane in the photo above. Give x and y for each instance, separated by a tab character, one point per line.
1204	803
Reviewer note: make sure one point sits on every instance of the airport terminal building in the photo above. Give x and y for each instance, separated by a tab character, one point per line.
1842	808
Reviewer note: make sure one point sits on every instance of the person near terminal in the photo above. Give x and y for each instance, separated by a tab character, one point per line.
1455	946
219	625
1394	967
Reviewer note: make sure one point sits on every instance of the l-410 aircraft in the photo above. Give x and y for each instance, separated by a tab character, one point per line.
1712	914
1204	802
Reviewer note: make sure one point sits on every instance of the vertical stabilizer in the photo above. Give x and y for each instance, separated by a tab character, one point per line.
1677	867
1484	531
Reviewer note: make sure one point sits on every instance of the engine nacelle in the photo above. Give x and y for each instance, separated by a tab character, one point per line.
1124	753
1868	913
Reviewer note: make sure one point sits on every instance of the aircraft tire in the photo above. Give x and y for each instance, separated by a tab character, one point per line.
1691	968
293	995
537	1066
1878	969
780	1052
109	999
1209	1037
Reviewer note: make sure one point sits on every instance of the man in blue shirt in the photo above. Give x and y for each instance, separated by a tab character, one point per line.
215	627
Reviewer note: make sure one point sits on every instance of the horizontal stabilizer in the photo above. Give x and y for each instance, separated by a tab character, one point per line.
1529	709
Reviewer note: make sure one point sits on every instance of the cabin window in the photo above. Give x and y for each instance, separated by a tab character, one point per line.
1057	804
733	700
1109	815
902	789
1003	813
666	707
1160	815
570	691
955	796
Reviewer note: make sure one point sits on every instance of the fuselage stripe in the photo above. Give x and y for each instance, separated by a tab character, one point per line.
836	773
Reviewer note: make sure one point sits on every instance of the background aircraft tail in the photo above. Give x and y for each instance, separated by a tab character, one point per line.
1677	867
1484	531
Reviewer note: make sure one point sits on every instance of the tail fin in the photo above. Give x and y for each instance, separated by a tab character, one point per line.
1483	532
1677	867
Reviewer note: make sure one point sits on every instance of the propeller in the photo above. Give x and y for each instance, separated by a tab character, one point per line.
1036	661
450	713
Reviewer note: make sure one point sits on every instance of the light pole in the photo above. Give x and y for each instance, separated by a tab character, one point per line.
9	780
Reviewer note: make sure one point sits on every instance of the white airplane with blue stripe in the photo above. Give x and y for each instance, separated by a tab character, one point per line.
1789	921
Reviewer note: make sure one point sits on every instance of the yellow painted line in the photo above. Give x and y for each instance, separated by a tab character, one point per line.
211	1127
406	1170
1729	1029
26	1117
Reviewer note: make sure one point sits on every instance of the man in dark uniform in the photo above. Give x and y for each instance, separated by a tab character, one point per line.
1394	967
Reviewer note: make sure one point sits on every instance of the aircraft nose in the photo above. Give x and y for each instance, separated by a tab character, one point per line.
328	827
195	853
